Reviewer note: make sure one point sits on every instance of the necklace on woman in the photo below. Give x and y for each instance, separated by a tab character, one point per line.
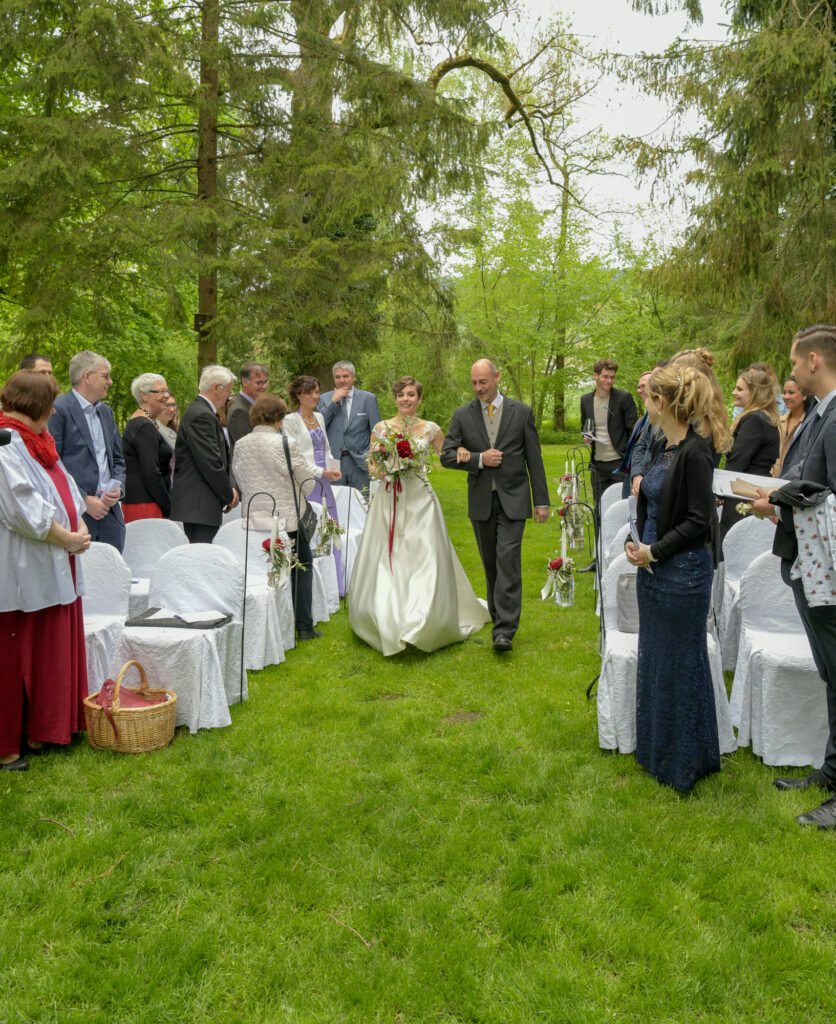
310	420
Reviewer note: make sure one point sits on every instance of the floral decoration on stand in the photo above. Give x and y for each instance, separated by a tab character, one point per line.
393	456
330	533
560	582
573	523
281	558
567	483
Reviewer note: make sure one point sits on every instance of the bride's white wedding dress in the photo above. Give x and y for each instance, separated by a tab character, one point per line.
424	598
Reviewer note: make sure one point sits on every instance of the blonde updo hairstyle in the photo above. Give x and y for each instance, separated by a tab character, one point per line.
690	395
763	399
702	360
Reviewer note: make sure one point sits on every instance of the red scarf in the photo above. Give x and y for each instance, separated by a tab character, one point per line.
40	446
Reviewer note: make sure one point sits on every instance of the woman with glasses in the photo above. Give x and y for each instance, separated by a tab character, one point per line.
147	452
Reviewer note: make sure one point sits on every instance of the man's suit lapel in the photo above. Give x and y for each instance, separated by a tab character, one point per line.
813	432
479	421
80	421
509	413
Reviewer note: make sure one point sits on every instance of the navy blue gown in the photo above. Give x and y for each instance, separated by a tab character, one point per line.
676	719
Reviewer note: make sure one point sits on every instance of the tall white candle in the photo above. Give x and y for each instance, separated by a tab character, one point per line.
274	529
563	542
574	487
573	467
566	468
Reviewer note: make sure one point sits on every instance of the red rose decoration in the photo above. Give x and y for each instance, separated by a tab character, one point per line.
266	544
404	449
555	564
561	512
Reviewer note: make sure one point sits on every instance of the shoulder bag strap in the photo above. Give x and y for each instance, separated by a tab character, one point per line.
286	447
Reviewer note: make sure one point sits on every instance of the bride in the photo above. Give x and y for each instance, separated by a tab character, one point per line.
408	586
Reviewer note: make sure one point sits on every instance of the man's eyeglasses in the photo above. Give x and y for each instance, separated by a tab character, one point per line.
158	391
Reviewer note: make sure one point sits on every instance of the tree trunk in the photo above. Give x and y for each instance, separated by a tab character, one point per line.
559	375
207	183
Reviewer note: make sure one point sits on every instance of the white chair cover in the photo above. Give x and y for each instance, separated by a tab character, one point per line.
742	545
201	665
611	495
269	628
617	681
107	585
778	699
352	510
146	541
611	522
326	569
617	544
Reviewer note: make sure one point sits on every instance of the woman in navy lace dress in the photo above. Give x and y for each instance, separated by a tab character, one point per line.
676	720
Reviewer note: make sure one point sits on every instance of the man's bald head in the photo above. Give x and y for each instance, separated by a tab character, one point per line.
484	379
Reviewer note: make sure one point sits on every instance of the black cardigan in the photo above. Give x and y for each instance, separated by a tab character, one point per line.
687	514
148	461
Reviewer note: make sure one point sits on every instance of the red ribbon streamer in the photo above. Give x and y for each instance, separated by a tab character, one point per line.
397	487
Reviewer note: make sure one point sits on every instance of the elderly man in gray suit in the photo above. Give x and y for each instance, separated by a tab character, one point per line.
813	460
494	439
350	415
88	444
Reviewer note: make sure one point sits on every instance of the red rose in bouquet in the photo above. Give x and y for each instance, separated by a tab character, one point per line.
555	564
404	448
266	544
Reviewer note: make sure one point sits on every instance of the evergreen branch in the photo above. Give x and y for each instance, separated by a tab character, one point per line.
515	104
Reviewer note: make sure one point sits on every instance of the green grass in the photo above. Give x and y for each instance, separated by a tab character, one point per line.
424	838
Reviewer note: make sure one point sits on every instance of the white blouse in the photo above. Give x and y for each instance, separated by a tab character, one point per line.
36	574
294	426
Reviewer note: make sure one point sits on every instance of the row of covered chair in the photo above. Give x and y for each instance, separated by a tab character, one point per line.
777	703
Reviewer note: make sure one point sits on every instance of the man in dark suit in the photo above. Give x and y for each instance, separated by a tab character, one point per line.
813	357
350	415
203	487
494	439
88	444
254	380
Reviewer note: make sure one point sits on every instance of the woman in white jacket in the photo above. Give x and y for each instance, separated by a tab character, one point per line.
43	668
307	427
259	464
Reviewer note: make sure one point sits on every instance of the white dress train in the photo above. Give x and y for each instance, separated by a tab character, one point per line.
418	593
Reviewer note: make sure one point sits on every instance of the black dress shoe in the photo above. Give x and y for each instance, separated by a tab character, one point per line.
822	817
589	568
502	643
309	634
20	765
816	778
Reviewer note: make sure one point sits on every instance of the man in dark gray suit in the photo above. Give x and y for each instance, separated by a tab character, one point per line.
88	444
494	439
203	488
350	415
254	380
813	357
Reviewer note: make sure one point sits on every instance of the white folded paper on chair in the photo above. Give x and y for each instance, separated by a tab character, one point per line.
725	478
191	617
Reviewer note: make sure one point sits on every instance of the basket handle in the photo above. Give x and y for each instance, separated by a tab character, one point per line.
123	671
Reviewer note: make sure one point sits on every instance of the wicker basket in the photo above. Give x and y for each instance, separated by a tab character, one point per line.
131	730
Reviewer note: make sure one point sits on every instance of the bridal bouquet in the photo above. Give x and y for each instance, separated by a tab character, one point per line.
560	581
281	558
395	455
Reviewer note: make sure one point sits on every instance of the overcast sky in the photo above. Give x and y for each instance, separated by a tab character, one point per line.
613	25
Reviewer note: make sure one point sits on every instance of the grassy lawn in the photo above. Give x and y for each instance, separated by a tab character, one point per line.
423	838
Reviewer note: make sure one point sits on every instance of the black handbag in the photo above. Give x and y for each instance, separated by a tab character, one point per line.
307	519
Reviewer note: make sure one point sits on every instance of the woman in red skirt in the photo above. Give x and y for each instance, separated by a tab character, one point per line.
43	670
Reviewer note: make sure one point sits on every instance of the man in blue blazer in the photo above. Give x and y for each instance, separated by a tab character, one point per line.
350	416
89	446
813	357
